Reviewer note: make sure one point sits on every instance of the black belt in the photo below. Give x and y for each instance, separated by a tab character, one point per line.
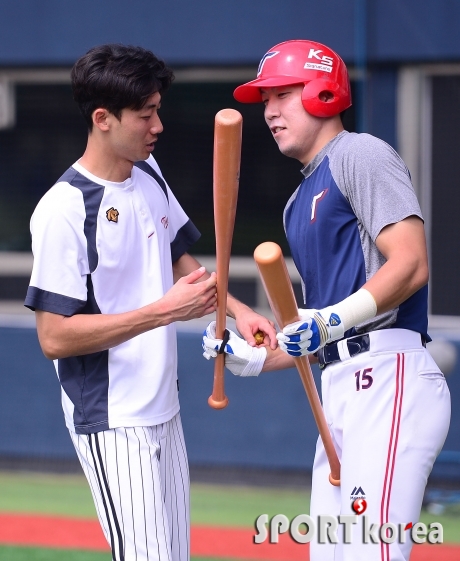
356	345
330	353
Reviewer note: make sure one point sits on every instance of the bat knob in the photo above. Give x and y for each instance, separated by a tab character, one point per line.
218	403
335	482
259	337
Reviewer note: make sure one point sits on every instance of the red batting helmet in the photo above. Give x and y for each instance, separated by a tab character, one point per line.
302	62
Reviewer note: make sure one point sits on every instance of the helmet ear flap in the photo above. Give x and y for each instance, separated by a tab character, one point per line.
338	99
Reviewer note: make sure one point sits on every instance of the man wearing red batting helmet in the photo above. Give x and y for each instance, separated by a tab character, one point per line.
356	235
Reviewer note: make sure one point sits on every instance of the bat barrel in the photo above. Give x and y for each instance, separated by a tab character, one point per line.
273	273
226	174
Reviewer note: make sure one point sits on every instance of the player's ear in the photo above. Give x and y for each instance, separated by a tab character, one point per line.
100	118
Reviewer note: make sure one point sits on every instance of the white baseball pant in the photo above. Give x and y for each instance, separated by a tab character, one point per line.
139	480
388	411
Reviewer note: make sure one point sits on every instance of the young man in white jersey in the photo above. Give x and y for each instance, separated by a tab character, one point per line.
356	235
111	276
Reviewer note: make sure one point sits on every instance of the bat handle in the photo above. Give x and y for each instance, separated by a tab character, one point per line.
303	366
218	399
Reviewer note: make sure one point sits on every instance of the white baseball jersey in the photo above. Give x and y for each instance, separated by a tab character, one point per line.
105	248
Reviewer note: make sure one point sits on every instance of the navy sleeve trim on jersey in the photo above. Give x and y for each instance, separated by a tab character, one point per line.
92	197
145	167
184	239
38	299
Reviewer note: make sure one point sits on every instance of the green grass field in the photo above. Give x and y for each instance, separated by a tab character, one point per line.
42	554
35	554
213	505
69	495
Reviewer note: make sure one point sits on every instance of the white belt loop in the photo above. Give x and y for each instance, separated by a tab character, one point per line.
342	348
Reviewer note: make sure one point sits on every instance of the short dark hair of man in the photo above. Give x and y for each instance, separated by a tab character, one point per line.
116	77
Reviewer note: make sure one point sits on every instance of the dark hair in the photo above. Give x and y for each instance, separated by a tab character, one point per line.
116	77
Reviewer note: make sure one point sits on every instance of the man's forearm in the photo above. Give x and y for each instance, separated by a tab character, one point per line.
235	307
62	336
278	360
81	334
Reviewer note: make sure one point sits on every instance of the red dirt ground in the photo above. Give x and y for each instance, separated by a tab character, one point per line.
227	543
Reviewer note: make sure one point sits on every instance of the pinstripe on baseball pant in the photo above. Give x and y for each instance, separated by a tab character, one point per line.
140	484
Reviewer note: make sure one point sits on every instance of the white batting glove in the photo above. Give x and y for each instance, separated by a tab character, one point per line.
313	331
240	358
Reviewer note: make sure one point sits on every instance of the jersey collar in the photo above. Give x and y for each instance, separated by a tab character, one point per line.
311	166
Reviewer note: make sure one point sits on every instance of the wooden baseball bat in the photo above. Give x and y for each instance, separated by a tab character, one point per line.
228	126
280	294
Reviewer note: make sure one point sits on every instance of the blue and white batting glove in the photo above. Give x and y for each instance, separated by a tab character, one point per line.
240	358
313	331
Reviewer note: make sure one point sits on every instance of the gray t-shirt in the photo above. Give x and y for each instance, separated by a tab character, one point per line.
352	189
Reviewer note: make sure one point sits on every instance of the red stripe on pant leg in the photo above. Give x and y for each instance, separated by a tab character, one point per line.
398	424
389	470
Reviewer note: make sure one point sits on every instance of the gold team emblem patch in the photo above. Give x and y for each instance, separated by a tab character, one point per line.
112	214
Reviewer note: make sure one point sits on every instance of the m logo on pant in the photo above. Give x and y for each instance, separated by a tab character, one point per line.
357	493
